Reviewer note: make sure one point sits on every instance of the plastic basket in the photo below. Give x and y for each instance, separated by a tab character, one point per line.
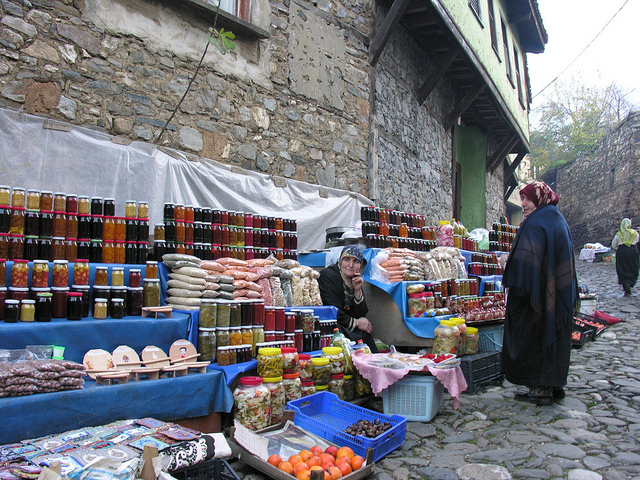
598	324
490	338
325	415
418	398
480	369
217	468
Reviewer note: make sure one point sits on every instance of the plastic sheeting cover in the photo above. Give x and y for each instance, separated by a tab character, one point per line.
87	162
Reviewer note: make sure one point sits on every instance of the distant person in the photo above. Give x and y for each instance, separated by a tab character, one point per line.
540	279
341	286
625	243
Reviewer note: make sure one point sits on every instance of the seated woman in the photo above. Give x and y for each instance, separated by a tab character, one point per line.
341	286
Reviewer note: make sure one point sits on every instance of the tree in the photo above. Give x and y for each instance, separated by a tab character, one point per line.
573	120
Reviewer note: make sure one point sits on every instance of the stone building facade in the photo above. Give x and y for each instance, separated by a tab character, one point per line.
301	102
599	189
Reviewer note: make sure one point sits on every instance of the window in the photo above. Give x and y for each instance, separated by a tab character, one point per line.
516	62
505	44
492	26
475	6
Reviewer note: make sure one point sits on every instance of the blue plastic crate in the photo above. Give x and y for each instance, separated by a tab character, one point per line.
325	415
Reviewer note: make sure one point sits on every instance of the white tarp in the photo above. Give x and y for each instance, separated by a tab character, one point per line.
86	162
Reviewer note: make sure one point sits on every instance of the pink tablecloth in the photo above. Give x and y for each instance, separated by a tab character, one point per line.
380	378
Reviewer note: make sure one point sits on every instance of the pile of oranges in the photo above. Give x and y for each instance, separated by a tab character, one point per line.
333	461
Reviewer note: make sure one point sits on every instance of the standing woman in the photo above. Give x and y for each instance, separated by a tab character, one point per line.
542	291
625	243
341	286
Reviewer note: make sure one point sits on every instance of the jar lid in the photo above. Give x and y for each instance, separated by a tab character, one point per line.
18	289
348	377
472	331
304	356
41	261
20	260
223	328
202	329
44	295
101	287
322	387
92	198
271	379
251	380
269	351
74	294
206	300
289	350
331	350
61	261
28	301
134	270
61	289
99	299
79	196
308	382
152	280
291	375
151	262
337	376
115	268
11	302
134	289
81	287
320	361
117	300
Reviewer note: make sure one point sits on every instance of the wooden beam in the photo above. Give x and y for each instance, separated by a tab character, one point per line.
386	29
512	168
462	105
503	149
442	67
508	193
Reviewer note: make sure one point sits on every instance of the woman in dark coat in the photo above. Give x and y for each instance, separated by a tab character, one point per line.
625	243
542	291
341	286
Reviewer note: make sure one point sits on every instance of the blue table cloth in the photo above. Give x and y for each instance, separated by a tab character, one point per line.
193	395
78	337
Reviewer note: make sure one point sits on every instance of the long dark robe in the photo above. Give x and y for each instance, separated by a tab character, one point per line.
332	291
542	293
627	264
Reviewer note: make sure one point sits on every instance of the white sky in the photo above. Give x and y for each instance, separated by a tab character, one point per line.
611	58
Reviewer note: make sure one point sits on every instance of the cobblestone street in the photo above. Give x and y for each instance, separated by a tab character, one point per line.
594	433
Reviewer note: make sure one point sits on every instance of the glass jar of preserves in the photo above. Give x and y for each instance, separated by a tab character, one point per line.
84	205
5	195
151	292
134	301
58	248
43	307
223	313
101	276
117	308
109	207
72	225
95	251
335	357
269	362
18	293
71	249
445	338
349	388
71	204
27	310
3	272
278	398
235	336
180	230
130	252
59	202
59	228
473	339
84	226
289	360
207	344
32	223
269	318
252	403
108	251
336	385
59	302
143	209
33	200
208	313
5	242
85	291
130	209
307	388
74	306
292	386
258	337
5	219
235	315
151	269
120	229
96	206
97	226
135	277
119	255
100	307
222	337
143	230
109	228
40	274
60	274
102	291
17	220
44	248
247	335
11	311
158	231
117	276
18	197
30	248
223	354
321	371
308	320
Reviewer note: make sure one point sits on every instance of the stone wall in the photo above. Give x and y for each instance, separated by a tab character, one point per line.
599	189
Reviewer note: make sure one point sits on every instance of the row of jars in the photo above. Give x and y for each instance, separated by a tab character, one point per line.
452	336
500	246
501	227
17	247
416	244
207	251
273	362
386	215
484	269
47	201
17	220
190	213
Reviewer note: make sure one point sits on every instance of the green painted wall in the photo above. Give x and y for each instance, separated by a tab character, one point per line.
471	151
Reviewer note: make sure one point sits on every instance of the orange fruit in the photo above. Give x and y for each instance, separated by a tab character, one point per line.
305	455
324	457
303	475
274	460
300	466
356	462
313	461
334	473
316	467
332	450
345	468
316	450
286	467
343	460
295	459
344	452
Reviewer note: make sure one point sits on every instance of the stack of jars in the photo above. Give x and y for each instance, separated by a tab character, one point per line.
390	228
501	237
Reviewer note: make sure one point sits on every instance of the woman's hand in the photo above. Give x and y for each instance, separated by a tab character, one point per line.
357	283
364	324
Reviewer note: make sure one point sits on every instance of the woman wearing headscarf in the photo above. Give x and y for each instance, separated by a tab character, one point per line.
625	243
341	286
542	291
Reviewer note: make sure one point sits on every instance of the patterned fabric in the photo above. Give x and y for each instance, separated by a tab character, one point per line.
355	252
189	453
627	234
541	269
540	194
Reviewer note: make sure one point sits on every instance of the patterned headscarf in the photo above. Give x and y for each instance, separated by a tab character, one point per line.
355	252
540	194
626	233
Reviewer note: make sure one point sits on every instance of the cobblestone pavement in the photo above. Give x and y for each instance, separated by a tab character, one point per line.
594	433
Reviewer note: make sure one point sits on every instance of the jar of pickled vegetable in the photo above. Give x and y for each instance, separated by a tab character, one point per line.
235	336
60	273
445	338
335	357
252	403
336	385
473	338
258	337
100	308
349	388
269	362
278	398
308	320
289	360
27	310
307	388
151	292
321	371
40	274
222	337
17	220
292	386
208	312
207	344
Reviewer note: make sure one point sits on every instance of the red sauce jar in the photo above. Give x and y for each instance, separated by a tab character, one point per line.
135	278
269	319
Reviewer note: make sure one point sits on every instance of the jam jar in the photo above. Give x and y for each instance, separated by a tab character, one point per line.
5	195
27	310
151	270
117	276
74	306
17	217
101	276
18	197
134	301
117	308
100	308
84	205
59	302
252	403
43	307
11	311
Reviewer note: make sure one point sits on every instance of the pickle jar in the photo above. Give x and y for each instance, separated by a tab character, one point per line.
60	275
289	360
305	366
278	398
208	312
252	403
336	385
222	337
27	310
151	292
445	338
308	320
349	388
292	386
473	339
258	337
307	388
269	362
235	336
100	307
235	315
117	308
40	274
207	344
335	357
321	371
223	313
